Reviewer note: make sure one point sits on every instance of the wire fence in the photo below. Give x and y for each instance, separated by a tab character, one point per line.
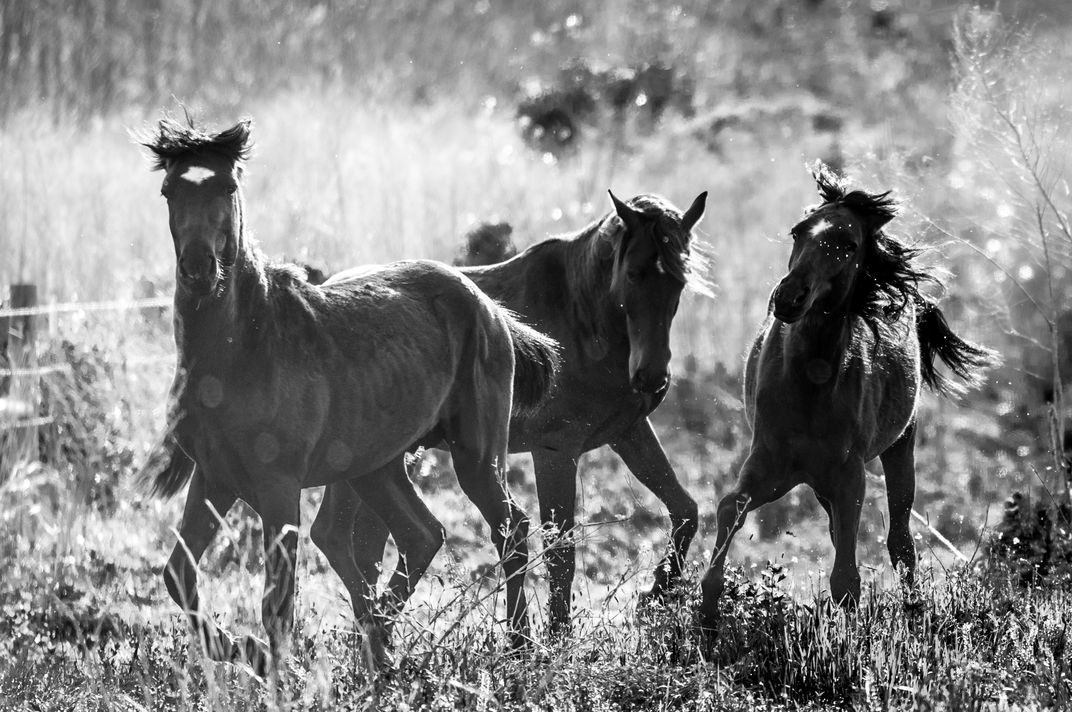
37	371
75	307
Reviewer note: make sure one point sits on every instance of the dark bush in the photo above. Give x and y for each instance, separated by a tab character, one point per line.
1034	541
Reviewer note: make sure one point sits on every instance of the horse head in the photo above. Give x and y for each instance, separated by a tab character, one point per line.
650	271
834	247
201	185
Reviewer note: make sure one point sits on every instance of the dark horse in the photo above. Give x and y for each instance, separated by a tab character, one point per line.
832	381
283	385
608	295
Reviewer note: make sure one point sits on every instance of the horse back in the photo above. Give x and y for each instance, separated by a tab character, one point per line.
356	372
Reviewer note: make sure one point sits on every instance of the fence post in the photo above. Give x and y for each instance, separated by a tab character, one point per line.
20	438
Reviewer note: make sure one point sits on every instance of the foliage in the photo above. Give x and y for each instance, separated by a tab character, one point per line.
387	130
1033	541
82	438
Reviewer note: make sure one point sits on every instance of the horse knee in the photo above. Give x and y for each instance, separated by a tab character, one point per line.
324	535
436	537
731	513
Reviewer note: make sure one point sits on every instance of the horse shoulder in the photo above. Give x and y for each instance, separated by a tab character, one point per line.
752	368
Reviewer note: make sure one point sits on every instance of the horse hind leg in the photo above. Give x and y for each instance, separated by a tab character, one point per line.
899	469
352	537
418	536
201	518
480	462
644	456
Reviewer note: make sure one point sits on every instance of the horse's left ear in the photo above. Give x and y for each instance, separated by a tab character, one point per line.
695	212
629	216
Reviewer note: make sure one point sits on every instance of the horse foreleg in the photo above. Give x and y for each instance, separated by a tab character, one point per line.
756	485
846	497
556	487
201	517
644	456
899	468
280	515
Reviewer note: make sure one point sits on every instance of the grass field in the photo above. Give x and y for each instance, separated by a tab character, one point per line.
341	178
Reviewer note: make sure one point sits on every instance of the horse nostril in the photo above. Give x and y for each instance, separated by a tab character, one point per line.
196	269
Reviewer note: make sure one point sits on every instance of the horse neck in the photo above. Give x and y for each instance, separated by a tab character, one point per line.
589	275
817	344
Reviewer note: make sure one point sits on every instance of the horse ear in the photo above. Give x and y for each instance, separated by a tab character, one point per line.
627	214
695	212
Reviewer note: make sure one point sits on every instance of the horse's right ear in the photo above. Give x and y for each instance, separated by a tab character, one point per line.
627	214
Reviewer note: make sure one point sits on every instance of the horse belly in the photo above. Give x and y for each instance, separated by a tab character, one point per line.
371	425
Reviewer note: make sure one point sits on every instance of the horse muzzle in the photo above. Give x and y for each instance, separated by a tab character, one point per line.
198	274
790	301
649	382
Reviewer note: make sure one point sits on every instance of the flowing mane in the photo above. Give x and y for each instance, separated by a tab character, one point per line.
172	140
889	278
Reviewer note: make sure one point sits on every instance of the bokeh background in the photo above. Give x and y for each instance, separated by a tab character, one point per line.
387	130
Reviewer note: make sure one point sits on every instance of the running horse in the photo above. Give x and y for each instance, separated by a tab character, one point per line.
833	381
283	385
608	295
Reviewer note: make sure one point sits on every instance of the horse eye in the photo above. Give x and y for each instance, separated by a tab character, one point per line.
633	275
231	189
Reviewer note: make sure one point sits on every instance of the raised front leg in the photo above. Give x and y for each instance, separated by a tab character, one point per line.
757	484
844	490
899	468
201	517
556	486
644	456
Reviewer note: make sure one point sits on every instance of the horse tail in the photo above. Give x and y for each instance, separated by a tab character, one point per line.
536	363
169	467
965	359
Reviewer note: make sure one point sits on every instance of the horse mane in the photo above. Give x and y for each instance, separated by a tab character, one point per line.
889	278
172	140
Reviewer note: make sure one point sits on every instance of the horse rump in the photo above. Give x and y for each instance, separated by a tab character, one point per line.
536	363
965	359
